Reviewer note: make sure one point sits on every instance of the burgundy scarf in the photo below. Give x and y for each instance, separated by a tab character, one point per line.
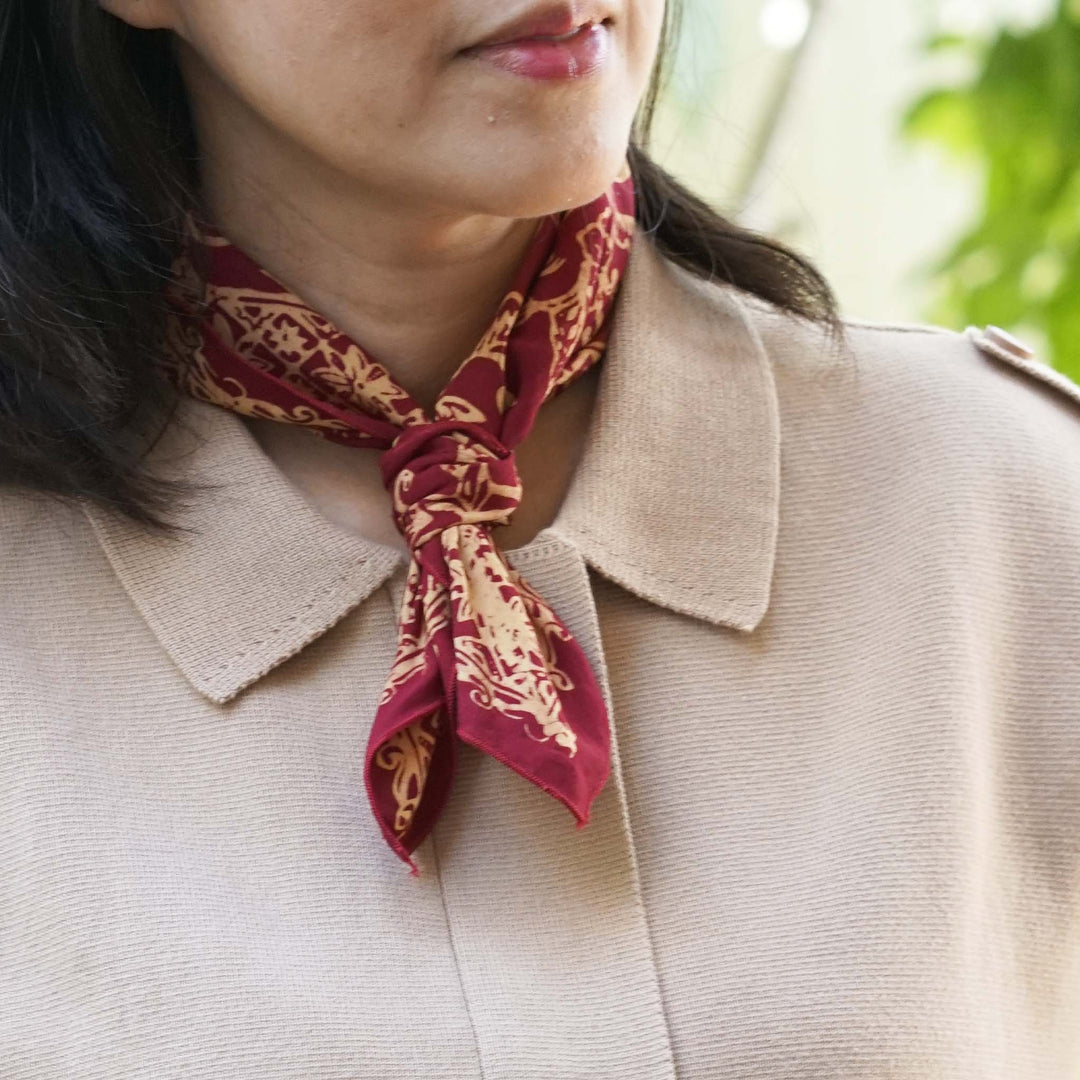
480	655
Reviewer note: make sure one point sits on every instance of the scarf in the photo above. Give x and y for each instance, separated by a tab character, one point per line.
480	657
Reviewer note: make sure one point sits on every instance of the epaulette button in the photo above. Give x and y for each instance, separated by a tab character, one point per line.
1004	340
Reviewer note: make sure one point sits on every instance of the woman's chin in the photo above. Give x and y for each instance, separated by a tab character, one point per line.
548	186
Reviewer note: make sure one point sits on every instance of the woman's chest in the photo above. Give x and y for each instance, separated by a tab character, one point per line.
813	859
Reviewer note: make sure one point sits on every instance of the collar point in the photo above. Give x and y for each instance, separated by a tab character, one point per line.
741	613
733	614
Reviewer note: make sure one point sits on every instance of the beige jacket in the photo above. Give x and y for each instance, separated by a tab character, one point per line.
836	607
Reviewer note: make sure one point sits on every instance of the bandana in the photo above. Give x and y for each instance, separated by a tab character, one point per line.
481	657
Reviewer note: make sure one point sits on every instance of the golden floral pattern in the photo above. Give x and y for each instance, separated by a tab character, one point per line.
481	657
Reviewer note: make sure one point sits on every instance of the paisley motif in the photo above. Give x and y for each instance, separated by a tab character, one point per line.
481	657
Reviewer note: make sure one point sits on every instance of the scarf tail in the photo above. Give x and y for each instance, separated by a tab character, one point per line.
525	692
411	753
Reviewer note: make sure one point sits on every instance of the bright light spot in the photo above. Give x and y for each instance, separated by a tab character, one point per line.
1021	15
1042	275
784	22
979	268
965	16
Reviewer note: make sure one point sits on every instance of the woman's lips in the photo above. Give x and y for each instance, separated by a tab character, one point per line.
571	56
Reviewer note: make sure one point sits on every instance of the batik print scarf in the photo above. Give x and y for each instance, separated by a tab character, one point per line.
481	657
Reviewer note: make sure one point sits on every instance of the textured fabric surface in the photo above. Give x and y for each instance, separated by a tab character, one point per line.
840	835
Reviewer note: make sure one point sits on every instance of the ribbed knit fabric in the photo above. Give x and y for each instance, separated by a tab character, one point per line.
840	839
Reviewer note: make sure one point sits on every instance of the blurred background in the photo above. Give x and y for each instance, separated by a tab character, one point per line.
926	153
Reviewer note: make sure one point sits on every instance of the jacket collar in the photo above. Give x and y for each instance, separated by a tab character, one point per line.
675	497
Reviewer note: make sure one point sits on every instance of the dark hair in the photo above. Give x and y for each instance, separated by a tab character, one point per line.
97	171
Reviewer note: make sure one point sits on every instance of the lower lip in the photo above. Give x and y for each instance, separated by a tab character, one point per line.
575	57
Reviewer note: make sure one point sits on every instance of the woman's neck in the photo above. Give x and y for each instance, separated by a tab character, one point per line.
415	287
412	281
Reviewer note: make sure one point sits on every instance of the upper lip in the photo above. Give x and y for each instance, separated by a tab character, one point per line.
547	20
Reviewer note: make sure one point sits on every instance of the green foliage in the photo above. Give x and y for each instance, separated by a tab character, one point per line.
1018	120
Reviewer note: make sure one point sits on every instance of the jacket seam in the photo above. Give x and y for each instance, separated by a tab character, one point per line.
637	887
457	959
901	328
862	324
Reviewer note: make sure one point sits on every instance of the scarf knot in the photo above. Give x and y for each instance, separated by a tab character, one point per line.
446	473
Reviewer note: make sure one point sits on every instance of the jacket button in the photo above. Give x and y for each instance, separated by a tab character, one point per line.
1004	340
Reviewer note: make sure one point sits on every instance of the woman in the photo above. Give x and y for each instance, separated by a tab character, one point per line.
781	612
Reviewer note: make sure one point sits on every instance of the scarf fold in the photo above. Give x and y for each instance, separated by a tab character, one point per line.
481	657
